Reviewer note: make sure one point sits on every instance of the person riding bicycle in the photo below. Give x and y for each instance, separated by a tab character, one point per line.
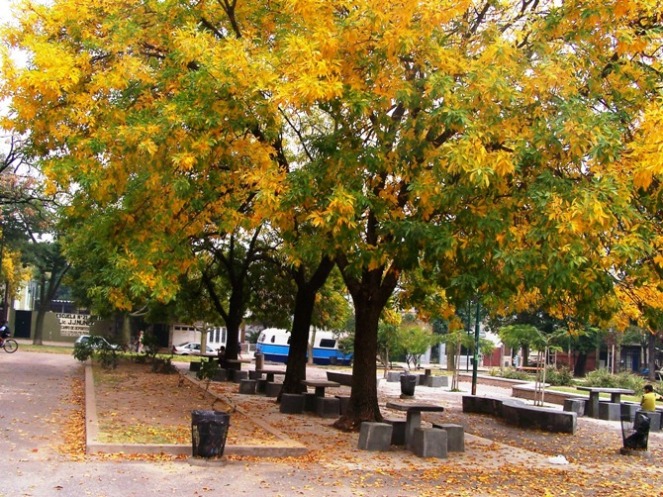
4	332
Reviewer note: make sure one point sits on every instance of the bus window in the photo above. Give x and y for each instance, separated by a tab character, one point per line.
273	338
327	343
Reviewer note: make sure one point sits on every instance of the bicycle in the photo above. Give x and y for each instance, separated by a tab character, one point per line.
10	345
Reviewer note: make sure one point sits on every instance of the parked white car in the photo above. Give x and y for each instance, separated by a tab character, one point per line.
191	348
83	339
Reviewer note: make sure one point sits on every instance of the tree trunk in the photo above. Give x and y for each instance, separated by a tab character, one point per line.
363	404
125	337
651	356
39	326
580	365
307	289
296	366
370	290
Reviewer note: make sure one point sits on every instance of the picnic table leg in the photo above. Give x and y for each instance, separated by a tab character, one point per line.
412	421
594	404
319	391
616	398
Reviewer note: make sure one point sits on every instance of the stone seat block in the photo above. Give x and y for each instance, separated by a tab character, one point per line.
273	389
575	405
455	436
327	407
292	403
238	376
398	430
429	442
309	402
375	436
654	419
344	403
221	375
610	411
261	385
628	410
247	387
438	381
393	376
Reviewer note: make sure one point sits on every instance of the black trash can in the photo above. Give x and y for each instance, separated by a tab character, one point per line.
408	382
635	437
208	432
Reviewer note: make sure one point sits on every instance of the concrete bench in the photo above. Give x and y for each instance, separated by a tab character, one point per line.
543	418
482	405
519	414
340	377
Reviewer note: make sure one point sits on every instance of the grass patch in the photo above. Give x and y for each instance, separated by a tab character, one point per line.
142	434
46	349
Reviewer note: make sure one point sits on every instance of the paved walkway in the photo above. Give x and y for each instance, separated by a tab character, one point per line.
35	397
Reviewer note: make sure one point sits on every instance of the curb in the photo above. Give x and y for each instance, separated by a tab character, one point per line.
93	446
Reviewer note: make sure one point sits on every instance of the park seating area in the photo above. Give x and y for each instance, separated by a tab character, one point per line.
519	414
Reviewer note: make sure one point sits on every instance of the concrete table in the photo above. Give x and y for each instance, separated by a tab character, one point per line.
270	373
320	386
594	392
413	410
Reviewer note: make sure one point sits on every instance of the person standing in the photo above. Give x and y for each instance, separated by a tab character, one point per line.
139	342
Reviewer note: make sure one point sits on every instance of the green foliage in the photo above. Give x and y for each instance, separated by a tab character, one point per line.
415	340
96	348
208	370
518	335
163	365
388	343
559	376
510	373
603	378
150	344
82	351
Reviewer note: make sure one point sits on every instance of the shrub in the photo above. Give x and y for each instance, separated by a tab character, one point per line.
559	376
603	378
208	371
514	374
96	347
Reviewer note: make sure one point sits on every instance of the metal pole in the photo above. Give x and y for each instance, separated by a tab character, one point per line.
475	366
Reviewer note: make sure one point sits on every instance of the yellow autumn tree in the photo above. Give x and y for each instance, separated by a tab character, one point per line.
495	146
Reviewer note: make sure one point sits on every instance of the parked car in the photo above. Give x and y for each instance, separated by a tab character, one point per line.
100	342
191	348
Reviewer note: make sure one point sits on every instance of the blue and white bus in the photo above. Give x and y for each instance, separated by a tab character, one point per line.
274	345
